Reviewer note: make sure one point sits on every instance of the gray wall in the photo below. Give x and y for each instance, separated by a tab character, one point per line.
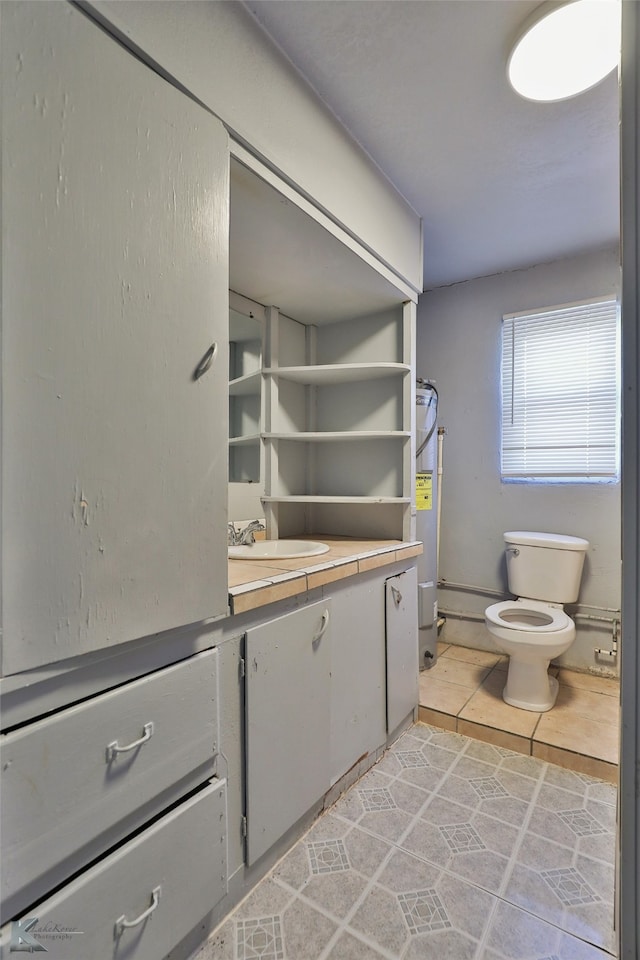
459	345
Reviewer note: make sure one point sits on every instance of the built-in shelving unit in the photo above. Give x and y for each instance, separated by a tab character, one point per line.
338	426
337	411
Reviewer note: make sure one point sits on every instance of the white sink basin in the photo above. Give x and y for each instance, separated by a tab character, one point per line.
277	550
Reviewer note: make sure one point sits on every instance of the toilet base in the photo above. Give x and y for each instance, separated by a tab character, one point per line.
529	686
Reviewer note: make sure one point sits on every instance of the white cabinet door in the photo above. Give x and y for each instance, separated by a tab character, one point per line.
401	602
288	677
358	689
115	287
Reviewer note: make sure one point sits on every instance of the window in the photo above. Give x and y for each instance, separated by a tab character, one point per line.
560	393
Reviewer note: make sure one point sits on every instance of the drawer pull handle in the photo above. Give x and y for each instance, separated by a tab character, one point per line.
114	748
206	361
324	623
122	923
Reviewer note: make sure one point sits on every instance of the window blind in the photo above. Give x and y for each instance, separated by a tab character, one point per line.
560	389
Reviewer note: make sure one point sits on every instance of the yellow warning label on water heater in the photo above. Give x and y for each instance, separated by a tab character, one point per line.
424	491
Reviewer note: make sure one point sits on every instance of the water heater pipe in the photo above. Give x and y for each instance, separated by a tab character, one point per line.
441	433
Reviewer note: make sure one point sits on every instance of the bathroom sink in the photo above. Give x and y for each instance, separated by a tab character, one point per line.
277	550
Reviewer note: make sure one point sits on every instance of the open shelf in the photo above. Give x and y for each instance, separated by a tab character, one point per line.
320	498
247	386
330	373
244	440
332	436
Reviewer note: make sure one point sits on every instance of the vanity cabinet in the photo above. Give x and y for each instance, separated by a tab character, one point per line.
287	697
114	301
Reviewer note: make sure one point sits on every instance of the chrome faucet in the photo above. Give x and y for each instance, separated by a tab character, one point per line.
232	535
247	536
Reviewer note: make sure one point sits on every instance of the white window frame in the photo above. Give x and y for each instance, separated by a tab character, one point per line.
553	429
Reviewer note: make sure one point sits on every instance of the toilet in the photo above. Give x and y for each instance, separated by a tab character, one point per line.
544	571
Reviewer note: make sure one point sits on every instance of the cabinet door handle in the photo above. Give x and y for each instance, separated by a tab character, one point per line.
206	361
397	596
122	923
114	748
324	623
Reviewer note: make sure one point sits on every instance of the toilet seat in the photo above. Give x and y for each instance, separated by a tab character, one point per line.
530	616
532	633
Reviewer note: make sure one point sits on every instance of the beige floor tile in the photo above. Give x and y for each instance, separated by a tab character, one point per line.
372	563
560	728
267	593
337	571
482	658
240	572
442	695
585	703
588	681
349	546
499	738
575	761
436	718
457	671
487	707
502	665
581	732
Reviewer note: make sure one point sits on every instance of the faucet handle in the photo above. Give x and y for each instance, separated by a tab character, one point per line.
246	536
232	535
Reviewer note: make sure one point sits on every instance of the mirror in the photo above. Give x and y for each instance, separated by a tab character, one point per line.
245	392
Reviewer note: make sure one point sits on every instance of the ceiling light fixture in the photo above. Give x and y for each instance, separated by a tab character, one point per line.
565	48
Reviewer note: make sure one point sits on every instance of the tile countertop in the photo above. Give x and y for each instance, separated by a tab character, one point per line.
255	583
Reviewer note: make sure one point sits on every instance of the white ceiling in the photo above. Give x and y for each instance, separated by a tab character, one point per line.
500	182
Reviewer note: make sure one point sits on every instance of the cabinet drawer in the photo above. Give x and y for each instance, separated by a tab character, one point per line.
178	865
76	783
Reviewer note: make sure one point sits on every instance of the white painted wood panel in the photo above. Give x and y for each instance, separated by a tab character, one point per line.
358	674
288	677
184	854
67	796
401	608
222	56
115	286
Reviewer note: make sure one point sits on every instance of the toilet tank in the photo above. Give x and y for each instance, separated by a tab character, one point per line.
544	566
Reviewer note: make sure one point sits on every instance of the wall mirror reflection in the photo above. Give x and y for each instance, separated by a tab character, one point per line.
246	326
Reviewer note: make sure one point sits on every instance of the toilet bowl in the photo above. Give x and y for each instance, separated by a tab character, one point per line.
532	633
544	571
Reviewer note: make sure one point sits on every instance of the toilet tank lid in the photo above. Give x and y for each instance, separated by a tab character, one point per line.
558	541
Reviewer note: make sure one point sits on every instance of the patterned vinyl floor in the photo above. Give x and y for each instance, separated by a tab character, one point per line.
447	849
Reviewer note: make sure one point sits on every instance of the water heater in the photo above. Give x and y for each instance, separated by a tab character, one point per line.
426	519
